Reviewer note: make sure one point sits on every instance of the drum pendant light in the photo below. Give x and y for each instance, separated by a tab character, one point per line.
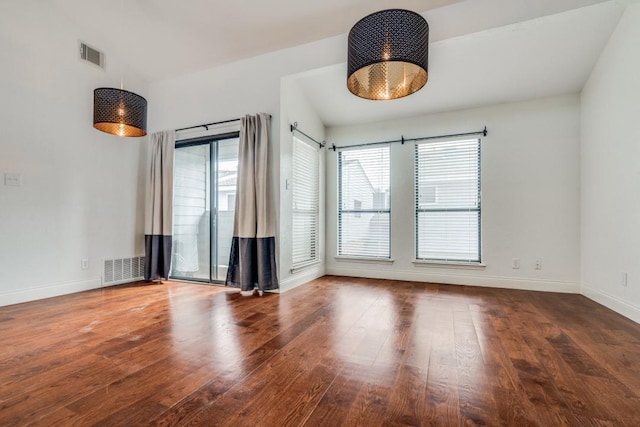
388	55
119	112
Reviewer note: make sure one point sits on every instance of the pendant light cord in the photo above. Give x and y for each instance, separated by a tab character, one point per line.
121	43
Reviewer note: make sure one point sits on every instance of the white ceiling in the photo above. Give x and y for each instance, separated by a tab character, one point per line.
481	52
164	38
546	56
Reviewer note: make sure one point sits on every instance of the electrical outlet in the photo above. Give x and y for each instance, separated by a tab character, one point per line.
12	179
623	280
538	265
515	263
84	264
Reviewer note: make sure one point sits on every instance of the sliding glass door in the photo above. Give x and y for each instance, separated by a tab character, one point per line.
205	176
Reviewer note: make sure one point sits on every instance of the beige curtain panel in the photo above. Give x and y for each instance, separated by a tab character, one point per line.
252	262
159	205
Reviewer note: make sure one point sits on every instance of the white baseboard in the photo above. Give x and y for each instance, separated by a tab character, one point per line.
301	277
616	304
460	279
32	294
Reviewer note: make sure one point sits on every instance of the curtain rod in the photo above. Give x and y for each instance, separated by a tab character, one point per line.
294	128
206	125
403	139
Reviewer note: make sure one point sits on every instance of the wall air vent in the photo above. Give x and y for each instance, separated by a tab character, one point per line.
91	55
123	270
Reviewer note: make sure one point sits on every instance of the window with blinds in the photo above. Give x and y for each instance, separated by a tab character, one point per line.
364	202
305	219
447	187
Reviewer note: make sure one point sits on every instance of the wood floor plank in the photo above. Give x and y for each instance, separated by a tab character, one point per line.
333	408
310	350
531	379
512	406
307	391
557	364
265	385
336	351
55	395
372	402
263	347
477	406
442	406
303	396
114	396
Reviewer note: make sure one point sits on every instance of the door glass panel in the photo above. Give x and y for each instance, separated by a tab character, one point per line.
205	181
226	200
191	213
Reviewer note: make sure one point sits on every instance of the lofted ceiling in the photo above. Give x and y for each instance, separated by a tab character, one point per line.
546	56
481	51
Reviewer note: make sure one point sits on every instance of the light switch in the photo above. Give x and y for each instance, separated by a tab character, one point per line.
12	179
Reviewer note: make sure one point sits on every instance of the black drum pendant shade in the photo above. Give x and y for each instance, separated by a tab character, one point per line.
119	112
388	55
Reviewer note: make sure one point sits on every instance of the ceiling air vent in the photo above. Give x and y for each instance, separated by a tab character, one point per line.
89	54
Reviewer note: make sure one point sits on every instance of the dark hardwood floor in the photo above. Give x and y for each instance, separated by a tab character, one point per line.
337	351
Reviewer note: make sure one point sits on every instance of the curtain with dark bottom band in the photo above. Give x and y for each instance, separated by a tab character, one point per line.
252	262
159	206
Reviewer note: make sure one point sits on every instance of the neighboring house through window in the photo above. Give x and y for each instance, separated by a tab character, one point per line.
364	210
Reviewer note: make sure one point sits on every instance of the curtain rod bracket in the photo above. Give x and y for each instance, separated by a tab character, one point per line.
294	128
484	132
402	139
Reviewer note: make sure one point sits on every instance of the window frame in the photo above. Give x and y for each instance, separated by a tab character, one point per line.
418	210
358	212
315	239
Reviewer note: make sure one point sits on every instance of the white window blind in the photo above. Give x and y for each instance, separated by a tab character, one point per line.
364	202
306	177
448	200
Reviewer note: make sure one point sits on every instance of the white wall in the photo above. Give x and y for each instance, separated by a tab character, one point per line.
233	90
294	107
250	86
610	167
80	196
530	195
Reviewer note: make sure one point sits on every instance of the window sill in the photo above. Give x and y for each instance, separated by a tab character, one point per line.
364	260
304	266
448	264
